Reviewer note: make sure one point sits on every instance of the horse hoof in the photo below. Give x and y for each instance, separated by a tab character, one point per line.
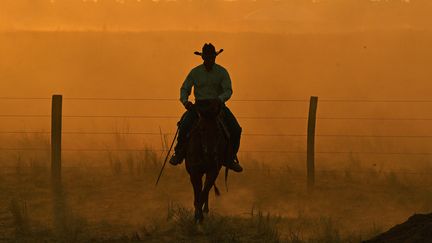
199	220
199	217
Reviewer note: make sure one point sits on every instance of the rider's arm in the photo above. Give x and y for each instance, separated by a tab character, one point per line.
186	89
226	87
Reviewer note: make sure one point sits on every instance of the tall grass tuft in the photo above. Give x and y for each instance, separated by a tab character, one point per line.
216	228
115	165
21	220
326	232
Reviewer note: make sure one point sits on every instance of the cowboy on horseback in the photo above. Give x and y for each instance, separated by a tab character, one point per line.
211	82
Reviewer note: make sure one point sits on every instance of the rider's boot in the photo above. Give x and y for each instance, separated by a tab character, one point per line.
179	155
234	165
184	126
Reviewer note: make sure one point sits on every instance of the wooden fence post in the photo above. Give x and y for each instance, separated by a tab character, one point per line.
56	127
311	142
56	183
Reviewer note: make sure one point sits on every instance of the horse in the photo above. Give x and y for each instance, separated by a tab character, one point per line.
207	150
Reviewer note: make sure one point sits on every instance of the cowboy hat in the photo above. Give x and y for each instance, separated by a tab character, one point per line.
208	48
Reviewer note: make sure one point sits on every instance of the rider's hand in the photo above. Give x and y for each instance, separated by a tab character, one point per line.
188	105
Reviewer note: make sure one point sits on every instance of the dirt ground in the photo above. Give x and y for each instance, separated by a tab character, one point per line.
121	202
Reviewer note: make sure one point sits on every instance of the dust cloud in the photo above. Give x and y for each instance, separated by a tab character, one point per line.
260	16
348	53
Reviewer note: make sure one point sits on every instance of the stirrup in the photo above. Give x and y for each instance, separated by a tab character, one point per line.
235	166
176	159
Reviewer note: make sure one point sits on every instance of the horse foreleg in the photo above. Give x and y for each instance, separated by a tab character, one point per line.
208	184
196	180
206	207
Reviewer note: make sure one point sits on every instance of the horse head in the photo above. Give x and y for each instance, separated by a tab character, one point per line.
209	128
208	109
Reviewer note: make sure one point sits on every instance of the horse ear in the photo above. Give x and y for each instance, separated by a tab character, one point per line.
198	53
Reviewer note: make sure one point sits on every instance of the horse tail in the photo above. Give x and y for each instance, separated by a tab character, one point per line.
217	192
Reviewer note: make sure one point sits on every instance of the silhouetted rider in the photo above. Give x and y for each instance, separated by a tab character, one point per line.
211	82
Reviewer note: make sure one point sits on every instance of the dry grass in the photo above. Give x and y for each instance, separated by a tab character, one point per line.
264	204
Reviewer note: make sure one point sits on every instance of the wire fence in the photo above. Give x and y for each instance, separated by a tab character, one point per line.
241	151
265	118
240	117
289	171
243	134
232	100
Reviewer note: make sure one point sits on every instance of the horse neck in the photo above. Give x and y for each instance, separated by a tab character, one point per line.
210	132
209	126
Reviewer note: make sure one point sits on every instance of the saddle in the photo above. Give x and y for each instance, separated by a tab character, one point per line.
213	111
210	109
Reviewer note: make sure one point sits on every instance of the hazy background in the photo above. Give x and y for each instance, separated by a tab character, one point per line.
285	16
273	50
343	50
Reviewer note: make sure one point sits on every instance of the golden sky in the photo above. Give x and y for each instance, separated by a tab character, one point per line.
265	15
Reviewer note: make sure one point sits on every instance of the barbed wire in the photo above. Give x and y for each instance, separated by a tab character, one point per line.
140	117
141	133
239	117
241	151
177	100
346	170
360	100
373	118
376	100
244	134
172	117
136	150
22	116
265	169
24	98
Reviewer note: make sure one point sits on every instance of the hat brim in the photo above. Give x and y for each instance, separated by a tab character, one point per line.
200	53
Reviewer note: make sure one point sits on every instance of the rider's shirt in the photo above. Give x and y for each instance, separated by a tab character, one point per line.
207	84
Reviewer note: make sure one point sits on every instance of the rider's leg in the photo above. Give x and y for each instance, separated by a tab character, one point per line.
235	133
185	125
